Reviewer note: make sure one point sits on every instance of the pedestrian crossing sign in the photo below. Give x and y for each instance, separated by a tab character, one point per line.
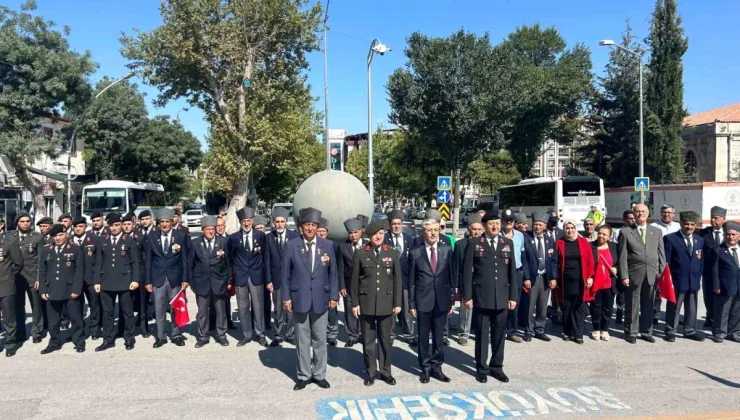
444	183
642	184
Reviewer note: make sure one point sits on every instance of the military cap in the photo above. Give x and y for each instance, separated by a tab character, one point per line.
261	220
434	214
718	212
508	214
309	215
64	216
131	214
45	221
540	216
364	219
395	214
474	218
113	217
491	215
552	216
96	214
79	221
520	218
208	221
323	223
128	217
280	212
166	214
731	226
689	216
21	214
245	213
145	213
375	226
57	228
352	224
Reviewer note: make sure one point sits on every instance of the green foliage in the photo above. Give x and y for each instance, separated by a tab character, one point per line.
493	170
41	77
664	94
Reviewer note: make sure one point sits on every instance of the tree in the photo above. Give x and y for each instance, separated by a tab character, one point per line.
242	62
549	85
357	164
39	77
664	94
113	123
613	121
493	170
280	178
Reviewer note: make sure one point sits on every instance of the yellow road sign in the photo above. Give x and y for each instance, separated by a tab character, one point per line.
445	210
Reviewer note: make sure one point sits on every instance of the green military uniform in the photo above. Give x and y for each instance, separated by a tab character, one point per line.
11	262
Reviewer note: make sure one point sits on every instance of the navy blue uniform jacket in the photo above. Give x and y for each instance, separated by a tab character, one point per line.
551	257
210	269
172	265
403	257
726	273
309	290
276	254
252	263
686	268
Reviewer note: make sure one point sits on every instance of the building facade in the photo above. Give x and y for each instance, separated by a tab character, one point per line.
553	160
711	145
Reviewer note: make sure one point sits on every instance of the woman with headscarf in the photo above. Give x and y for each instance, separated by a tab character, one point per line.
605	253
575	279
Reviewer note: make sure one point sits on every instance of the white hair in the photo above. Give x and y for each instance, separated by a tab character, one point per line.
429	222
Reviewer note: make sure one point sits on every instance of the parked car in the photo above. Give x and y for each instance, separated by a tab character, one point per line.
379	216
409	223
192	217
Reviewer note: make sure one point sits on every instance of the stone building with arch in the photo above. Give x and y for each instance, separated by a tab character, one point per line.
711	145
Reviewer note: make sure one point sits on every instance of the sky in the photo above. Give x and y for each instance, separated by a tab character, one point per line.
711	64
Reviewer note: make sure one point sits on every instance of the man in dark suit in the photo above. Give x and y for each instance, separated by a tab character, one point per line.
347	250
475	230
251	262
210	269
142	298
553	231
683	253
401	242
713	237
119	278
276	241
166	260
431	296
489	281
419	240
61	272
309	289
332	328
544	271
26	280
726	285
11	263
221	233
376	298
91	246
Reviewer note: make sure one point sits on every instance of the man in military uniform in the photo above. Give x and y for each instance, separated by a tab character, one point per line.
98	224
44	225
120	277
377	294
143	300
401	242
11	263
475	230
489	282
91	246
66	221
26	281
139	296
61	274
276	240
347	250
210	269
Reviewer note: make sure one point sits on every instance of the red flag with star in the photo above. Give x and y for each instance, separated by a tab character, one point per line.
179	306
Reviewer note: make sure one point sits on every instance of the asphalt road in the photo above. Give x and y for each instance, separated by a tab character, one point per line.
558	380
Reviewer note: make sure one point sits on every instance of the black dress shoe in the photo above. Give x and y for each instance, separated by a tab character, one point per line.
648	338
145	335
501	376
179	341
262	342
105	346
630	339
50	349
244	341
527	338
481	378
424	378
350	343
733	338
276	342
368	382
300	385
388	379
129	345
717	339
223	342
578	340
565	337
332	342
80	348
159	343
200	343
440	377
543	337
322	383
697	336
10	352
37	340
670	338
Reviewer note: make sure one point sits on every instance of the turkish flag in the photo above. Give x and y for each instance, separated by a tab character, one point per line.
602	279
180	309
665	285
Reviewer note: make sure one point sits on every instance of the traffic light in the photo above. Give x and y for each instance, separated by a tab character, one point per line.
336	156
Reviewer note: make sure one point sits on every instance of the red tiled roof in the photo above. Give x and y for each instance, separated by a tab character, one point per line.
728	113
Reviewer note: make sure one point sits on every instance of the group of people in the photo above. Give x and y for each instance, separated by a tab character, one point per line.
503	273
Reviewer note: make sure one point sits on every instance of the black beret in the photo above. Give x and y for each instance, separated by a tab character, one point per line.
491	215
508	214
96	214
64	216
45	221
79	221
113	217
375	226
56	229
128	217
21	214
145	213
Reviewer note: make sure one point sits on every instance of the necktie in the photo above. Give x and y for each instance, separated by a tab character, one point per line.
166	244
280	239
310	254
734	256
59	251
79	241
717	239
433	258
23	237
642	234
114	241
399	244
247	242
210	245
540	253
689	244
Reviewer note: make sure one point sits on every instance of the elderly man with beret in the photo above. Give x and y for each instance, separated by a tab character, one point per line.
726	284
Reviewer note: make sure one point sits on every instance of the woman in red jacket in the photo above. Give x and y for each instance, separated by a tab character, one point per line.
575	279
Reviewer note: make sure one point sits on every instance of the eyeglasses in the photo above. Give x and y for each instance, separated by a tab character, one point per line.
431	230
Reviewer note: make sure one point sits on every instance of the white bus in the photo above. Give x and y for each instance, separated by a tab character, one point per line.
571	196
122	197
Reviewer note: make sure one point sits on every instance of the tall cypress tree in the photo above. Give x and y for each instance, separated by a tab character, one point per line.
664	94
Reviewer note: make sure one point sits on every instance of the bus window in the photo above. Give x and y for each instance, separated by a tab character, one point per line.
148	198
582	187
104	199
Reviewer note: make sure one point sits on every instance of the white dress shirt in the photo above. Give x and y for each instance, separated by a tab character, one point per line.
429	247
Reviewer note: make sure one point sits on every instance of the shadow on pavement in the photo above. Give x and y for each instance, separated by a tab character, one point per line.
283	359
717	379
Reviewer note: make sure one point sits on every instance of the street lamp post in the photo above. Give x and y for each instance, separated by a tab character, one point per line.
611	43
375	47
326	89
74	138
